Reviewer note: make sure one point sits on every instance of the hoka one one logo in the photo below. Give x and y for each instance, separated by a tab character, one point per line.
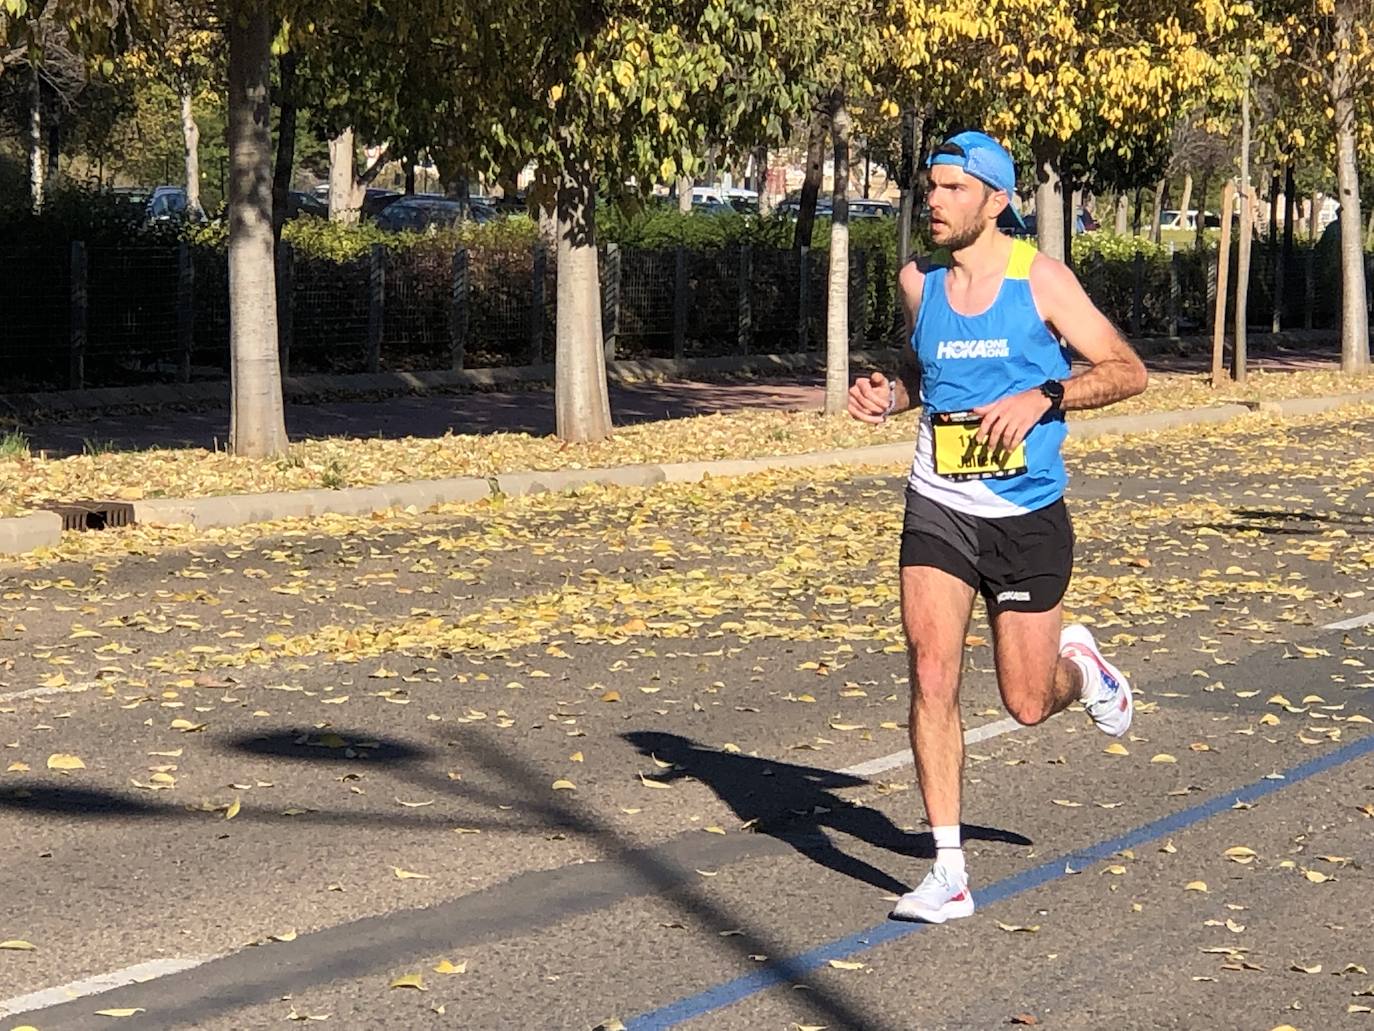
998	348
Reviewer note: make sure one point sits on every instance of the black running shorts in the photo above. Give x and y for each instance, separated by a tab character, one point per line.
1019	563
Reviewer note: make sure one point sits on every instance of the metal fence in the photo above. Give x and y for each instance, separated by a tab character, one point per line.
78	316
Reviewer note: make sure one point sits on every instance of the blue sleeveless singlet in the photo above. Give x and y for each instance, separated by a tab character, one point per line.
972	360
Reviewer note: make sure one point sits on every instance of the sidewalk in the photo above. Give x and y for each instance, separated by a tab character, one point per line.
528	410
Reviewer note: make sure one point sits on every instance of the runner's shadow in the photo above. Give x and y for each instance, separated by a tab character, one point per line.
797	804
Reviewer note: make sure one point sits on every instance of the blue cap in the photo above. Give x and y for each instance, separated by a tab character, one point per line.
983	158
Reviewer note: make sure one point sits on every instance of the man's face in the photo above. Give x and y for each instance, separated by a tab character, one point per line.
960	206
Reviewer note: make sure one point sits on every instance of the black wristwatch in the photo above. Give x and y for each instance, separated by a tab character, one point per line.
1054	390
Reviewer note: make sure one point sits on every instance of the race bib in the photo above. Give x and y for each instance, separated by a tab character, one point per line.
959	455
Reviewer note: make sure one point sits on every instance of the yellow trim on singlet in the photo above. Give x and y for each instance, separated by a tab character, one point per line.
1019	264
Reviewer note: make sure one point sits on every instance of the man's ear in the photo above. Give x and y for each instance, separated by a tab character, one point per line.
997	202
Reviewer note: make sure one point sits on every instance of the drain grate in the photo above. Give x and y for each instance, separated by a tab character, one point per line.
93	515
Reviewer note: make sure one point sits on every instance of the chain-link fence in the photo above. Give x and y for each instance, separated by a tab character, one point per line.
123	315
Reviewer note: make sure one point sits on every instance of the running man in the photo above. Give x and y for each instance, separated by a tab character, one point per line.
988	318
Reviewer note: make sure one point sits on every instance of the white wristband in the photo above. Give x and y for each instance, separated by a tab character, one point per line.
891	398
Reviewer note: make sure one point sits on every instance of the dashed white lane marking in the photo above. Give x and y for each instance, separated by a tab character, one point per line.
40	692
902	758
1352	623
135	974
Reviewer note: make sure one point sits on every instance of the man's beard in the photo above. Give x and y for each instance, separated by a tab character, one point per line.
965	236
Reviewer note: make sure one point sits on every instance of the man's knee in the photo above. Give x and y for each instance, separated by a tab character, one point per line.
934	681
1029	708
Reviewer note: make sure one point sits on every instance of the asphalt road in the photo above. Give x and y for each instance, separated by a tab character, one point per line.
598	753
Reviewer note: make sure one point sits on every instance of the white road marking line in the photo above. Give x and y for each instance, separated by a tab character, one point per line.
136	974
40	692
1352	623
902	758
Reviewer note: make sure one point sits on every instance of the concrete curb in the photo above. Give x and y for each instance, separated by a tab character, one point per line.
20	534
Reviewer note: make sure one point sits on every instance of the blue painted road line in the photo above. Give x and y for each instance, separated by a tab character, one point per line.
731	992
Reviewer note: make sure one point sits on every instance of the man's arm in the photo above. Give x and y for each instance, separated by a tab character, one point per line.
1116	372
870	395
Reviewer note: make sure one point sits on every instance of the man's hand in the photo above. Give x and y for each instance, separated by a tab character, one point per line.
1005	423
869	398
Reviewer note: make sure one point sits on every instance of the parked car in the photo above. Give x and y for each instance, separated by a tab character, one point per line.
869	208
161	203
791	207
421	212
1082	223
300	202
746	202
377	200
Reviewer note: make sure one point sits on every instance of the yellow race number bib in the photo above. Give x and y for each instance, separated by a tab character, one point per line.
959	455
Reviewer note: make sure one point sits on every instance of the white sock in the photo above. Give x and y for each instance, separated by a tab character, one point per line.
1092	680
949	852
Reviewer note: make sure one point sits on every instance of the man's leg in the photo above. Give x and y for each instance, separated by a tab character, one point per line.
1035	680
935	611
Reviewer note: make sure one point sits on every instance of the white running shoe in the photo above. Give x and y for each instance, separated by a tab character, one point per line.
942	896
1114	705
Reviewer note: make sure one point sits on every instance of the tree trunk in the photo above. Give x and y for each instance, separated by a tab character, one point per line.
345	196
1157	209
286	141
1123	214
54	147
1049	202
1068	215
1228	194
1289	205
1314	218
684	193
190	137
408	166
905	175
1354	310
1187	199
1275	188
1200	227
257	426
1135	216
837	301
581	401
35	131
1369	231
1247	216
811	185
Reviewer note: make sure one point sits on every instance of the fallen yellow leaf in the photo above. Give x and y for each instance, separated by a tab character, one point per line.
445	967
18	945
407	875
409	981
63	761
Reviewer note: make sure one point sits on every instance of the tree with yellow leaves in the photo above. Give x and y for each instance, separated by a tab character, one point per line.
1046	71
